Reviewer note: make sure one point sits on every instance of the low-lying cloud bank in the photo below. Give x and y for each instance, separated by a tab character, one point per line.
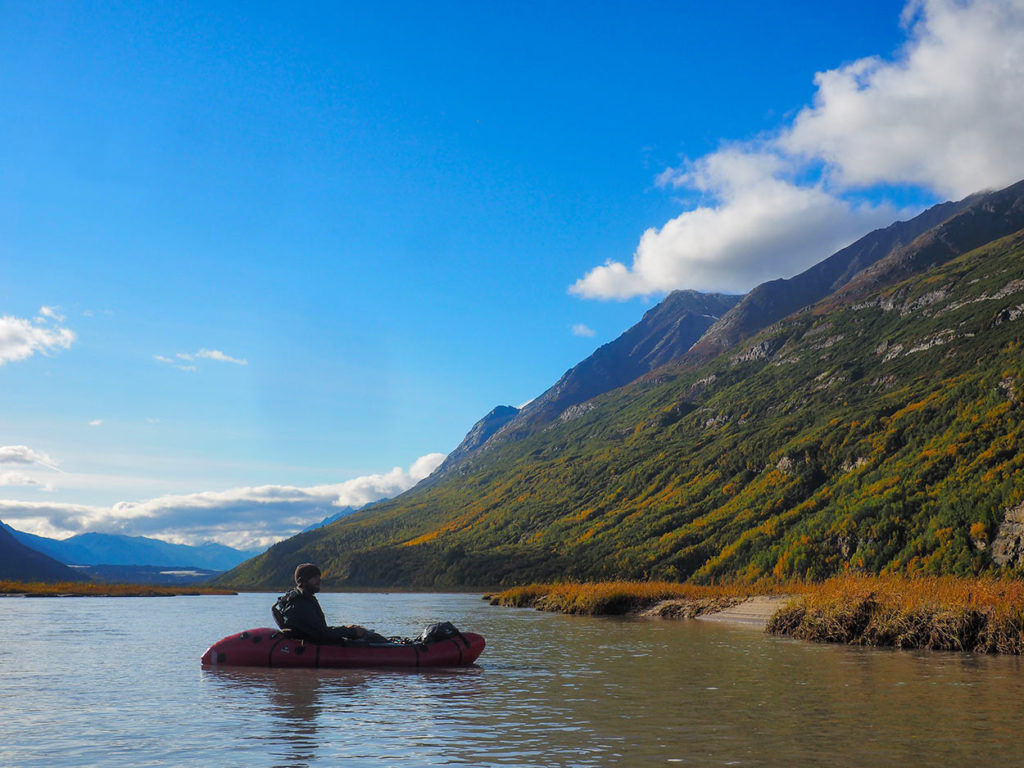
245	518
943	115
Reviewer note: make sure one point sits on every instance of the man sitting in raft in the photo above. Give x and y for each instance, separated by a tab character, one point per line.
299	611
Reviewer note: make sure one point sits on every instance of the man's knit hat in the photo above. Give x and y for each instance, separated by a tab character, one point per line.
305	571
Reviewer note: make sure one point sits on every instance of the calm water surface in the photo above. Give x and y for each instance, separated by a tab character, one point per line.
117	682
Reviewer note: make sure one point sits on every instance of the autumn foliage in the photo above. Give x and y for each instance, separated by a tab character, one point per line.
94	589
938	613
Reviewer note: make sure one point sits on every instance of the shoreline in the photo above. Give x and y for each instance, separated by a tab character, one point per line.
756	611
942	613
14	589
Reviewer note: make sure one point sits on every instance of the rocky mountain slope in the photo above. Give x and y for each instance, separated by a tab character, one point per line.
477	437
773	300
877	427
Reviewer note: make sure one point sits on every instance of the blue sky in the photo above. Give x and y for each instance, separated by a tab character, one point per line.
255	266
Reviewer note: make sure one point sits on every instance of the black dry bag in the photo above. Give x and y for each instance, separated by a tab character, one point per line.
435	632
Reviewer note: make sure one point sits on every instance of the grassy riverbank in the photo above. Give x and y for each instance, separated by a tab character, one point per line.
938	613
94	589
616	598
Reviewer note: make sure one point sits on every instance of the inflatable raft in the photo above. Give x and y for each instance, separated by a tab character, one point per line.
274	648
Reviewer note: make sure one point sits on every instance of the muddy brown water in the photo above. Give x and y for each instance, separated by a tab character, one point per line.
117	682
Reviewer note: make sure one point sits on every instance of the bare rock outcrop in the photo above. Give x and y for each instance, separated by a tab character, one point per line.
1009	544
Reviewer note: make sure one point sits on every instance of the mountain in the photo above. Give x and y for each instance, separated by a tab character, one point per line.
19	563
880	257
776	299
145	574
663	334
343	512
878	427
688	328
981	219
478	436
113	549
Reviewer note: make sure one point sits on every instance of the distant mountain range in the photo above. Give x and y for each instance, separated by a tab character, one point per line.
95	549
865	414
123	559
20	563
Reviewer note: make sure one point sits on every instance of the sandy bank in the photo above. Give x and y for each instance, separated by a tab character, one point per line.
751	611
754	611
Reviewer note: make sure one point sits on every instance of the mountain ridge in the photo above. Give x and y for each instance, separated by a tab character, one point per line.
876	429
983	218
650	346
117	549
21	563
662	334
775	299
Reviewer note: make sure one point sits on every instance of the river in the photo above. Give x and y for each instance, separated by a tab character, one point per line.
117	682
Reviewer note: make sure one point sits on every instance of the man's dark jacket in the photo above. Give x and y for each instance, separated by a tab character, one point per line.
300	612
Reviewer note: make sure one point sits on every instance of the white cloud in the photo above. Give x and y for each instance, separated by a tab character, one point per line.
174	363
945	113
96	422
241	517
424	466
51	313
205	354
21	339
582	330
763	226
48	519
22	454
216	354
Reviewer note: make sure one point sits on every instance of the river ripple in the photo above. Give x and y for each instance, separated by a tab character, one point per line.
117	682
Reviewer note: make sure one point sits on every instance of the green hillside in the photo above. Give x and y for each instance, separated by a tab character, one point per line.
880	432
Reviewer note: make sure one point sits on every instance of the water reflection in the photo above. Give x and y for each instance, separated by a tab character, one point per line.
287	706
308	715
548	691
739	697
625	694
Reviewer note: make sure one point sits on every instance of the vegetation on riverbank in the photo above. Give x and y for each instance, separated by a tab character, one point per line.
937	613
983	615
90	589
614	598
